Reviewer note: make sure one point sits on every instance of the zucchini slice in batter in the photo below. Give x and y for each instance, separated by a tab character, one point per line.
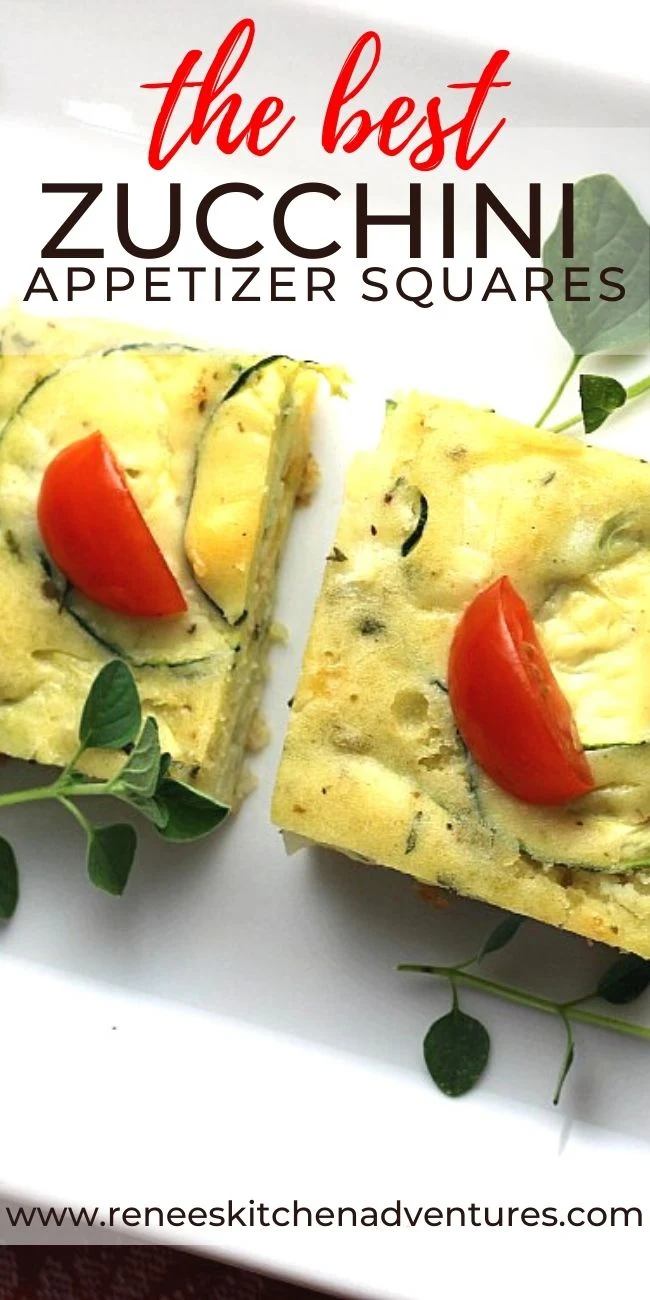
229	526
606	830
152	403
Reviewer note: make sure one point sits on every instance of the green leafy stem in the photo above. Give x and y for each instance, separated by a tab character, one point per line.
607	226
456	1047
600	396
569	373
112	720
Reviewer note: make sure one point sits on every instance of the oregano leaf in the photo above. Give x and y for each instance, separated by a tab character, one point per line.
8	880
626	979
111	715
500	935
456	1051
111	850
190	813
149	807
599	396
140	774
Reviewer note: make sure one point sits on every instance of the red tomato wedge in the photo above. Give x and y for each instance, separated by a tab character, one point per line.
95	534
508	706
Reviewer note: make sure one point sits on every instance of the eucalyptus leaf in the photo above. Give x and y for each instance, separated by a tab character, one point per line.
111	715
599	396
501	935
8	880
609	231
190	813
456	1051
626	979
111	850
140	774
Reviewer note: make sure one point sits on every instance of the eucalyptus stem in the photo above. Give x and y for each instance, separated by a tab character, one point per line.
635	390
575	362
567	1010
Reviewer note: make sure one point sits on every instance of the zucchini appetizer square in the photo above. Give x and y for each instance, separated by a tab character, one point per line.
214	449
373	765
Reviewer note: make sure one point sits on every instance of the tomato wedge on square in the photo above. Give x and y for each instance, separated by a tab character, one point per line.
96	535
508	707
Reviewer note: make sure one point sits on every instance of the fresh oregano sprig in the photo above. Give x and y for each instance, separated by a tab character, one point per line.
457	1046
112	720
600	396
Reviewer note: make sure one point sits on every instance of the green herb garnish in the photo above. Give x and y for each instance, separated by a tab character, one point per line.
111	716
499	937
8	880
608	227
112	719
456	1051
595	400
456	1047
111	850
599	396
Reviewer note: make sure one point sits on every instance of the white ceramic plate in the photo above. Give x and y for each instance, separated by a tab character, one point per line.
234	1027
